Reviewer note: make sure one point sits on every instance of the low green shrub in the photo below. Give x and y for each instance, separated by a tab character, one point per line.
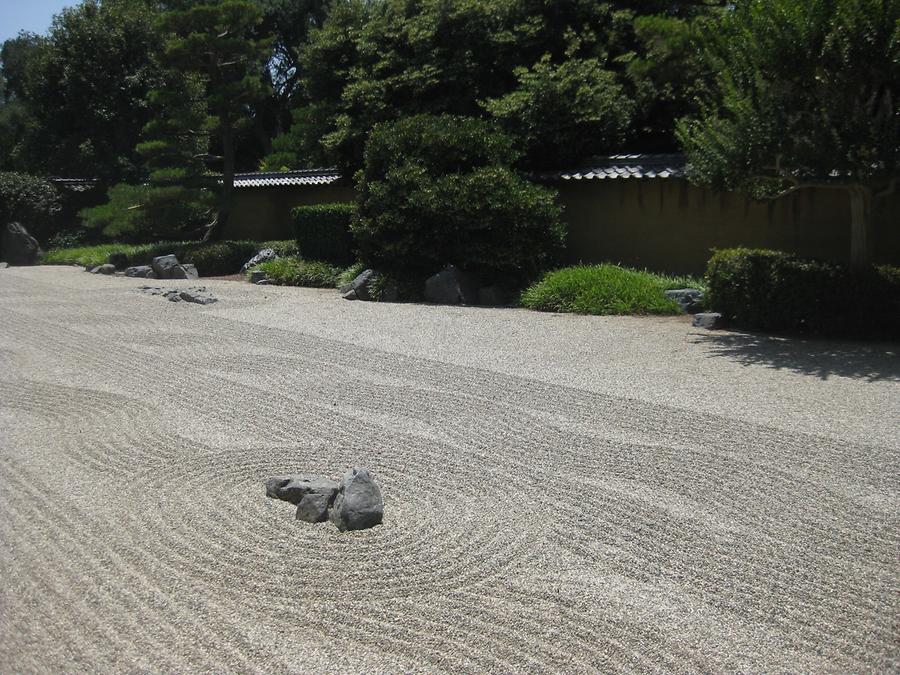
323	232
137	254
298	272
221	257
777	291
602	290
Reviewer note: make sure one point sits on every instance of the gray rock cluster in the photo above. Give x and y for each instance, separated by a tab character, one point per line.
195	294
162	267
450	286
689	299
353	504
17	247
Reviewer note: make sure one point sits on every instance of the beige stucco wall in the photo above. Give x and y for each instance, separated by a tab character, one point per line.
670	225
264	213
666	225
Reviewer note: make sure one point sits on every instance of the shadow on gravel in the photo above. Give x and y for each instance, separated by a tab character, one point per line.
822	358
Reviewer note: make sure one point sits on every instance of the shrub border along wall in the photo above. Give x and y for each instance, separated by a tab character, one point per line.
323	232
777	291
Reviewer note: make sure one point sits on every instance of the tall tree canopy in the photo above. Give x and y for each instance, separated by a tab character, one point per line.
86	90
806	96
215	44
379	60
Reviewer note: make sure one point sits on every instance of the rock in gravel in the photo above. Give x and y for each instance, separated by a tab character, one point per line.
256	276
451	286
358	505
197	298
358	289
689	299
263	255
708	320
312	495
4	265
186	271
17	247
140	271
195	294
163	265
104	269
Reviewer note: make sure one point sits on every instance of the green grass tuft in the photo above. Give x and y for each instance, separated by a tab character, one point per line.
297	272
604	290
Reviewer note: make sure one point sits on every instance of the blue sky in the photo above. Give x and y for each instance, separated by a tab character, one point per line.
30	15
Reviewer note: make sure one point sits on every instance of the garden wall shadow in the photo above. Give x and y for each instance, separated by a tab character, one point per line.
872	361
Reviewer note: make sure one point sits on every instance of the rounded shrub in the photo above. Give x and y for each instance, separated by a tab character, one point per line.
439	190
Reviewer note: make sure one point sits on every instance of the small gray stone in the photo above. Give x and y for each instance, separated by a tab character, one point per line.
4	265
195	297
256	276
190	271
312	495
140	271
708	320
689	299
104	269
358	505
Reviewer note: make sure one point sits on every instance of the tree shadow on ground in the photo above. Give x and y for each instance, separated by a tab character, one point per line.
872	361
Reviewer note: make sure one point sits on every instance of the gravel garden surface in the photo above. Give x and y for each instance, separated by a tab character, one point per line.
562	493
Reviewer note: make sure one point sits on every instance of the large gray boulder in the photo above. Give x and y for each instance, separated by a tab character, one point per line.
451	286
358	505
261	257
689	299
312	495
163	265
17	247
358	289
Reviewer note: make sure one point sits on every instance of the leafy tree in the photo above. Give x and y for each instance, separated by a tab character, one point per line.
439	190
381	60
215	44
805	97
560	112
85	89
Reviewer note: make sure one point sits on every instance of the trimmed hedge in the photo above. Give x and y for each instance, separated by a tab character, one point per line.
440	190
603	290
323	232
777	291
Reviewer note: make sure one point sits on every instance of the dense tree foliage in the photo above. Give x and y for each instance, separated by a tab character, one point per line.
86	90
806	95
379	61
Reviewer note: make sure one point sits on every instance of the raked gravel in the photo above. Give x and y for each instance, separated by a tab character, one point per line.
562	493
